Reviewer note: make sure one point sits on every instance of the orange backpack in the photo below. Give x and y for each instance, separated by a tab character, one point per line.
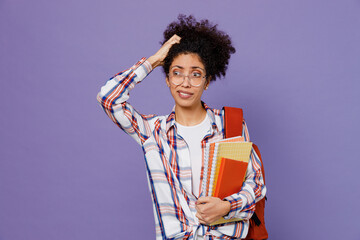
233	127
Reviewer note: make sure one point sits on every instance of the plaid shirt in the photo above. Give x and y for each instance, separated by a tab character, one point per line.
168	165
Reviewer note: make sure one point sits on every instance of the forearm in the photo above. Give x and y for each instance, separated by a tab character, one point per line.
154	61
113	99
116	90
114	94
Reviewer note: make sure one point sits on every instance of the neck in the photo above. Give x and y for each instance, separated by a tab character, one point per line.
190	116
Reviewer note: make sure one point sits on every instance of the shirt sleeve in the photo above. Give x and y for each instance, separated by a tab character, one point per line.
242	204
113	98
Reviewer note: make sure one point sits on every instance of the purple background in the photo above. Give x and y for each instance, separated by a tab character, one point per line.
67	172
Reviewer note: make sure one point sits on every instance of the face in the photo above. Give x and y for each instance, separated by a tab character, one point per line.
186	95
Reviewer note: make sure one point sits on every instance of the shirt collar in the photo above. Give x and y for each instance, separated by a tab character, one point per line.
170	121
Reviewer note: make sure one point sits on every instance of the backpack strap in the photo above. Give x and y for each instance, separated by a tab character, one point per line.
234	125
233	121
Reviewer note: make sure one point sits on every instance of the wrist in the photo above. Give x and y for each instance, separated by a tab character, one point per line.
227	207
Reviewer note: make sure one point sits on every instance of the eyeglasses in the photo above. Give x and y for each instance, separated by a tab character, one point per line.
195	78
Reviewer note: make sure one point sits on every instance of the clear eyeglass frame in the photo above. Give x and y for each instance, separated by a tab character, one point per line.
180	78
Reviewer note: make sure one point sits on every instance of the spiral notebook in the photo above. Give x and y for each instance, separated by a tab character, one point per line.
210	149
225	164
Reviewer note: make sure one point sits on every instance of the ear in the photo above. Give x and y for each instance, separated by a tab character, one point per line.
206	86
167	81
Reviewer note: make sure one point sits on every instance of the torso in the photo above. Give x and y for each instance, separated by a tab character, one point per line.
193	135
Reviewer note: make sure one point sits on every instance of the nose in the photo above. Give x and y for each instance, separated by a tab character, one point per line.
186	82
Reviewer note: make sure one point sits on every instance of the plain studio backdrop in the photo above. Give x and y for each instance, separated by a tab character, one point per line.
67	172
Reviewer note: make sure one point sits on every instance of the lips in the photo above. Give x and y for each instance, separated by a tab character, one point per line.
184	94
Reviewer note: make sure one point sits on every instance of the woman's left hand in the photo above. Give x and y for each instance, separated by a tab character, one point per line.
210	209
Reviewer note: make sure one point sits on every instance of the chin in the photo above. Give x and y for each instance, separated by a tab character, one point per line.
185	103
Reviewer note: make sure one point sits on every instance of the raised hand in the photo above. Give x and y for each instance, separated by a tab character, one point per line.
158	58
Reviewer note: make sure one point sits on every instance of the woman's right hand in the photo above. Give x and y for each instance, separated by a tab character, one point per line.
158	58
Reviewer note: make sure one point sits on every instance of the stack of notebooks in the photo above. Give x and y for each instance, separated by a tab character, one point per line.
225	165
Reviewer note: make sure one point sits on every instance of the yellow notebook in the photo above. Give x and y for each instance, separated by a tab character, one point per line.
239	151
209	158
233	150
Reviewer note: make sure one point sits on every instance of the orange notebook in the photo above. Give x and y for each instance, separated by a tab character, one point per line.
211	155
231	177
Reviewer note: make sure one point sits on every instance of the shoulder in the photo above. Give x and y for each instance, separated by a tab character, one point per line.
216	117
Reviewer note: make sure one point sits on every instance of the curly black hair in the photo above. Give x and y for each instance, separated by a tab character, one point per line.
203	38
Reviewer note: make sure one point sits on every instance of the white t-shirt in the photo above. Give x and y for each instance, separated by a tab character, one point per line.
193	135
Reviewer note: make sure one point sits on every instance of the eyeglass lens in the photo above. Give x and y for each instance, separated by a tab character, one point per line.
195	79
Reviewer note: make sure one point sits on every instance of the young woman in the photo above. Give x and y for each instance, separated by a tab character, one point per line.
192	55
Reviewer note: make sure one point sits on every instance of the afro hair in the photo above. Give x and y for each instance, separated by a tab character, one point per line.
203	38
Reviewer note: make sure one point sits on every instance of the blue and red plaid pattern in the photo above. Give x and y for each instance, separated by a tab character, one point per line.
168	165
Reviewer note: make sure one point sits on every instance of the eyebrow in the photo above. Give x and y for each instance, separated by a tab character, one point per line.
193	67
